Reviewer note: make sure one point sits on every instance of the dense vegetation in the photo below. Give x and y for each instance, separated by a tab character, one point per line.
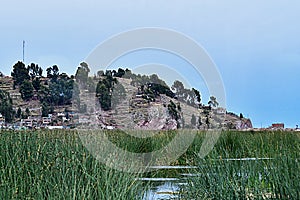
275	176
6	107
57	89
55	165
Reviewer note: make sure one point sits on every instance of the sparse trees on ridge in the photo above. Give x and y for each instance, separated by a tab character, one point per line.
213	102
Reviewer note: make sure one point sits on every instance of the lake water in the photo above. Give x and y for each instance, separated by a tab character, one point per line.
162	188
166	187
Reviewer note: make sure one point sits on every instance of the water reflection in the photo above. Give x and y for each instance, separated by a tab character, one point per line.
160	191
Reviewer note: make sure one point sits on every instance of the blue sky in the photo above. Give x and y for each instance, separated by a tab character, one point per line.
255	44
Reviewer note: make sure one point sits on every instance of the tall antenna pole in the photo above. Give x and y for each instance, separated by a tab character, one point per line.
23	51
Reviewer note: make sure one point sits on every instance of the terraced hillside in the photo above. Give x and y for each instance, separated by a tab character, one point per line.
135	112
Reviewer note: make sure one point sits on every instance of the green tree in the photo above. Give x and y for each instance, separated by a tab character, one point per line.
198	96
175	114
213	102
27	111
241	116
26	90
6	106
36	83
19	112
45	109
58	92
120	73
173	111
178	89
104	96
34	71
53	72
19	73
82	73
104	90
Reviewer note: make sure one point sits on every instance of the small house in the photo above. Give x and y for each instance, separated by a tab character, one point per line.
46	120
278	126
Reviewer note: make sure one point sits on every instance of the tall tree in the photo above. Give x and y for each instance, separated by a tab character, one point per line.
53	73
45	109
104	96
36	83
27	111
6	108
20	73
198	95
19	112
26	90
178	88
213	102
82	73
34	71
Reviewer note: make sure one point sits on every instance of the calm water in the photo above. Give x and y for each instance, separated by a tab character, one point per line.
162	190
166	187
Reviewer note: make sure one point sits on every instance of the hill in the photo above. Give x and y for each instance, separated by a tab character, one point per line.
110	99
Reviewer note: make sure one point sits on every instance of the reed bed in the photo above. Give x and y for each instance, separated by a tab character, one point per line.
245	165
56	165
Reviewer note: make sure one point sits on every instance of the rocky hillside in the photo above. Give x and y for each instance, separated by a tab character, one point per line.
138	107
135	111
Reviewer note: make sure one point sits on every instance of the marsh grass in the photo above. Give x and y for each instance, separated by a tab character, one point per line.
55	165
274	178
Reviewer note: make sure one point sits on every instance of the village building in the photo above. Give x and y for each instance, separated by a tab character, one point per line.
46	120
278	126
29	122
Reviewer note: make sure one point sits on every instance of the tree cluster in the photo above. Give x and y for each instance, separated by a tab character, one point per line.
190	97
175	113
6	108
58	90
104	90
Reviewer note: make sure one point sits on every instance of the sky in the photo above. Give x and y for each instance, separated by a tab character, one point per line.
254	44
